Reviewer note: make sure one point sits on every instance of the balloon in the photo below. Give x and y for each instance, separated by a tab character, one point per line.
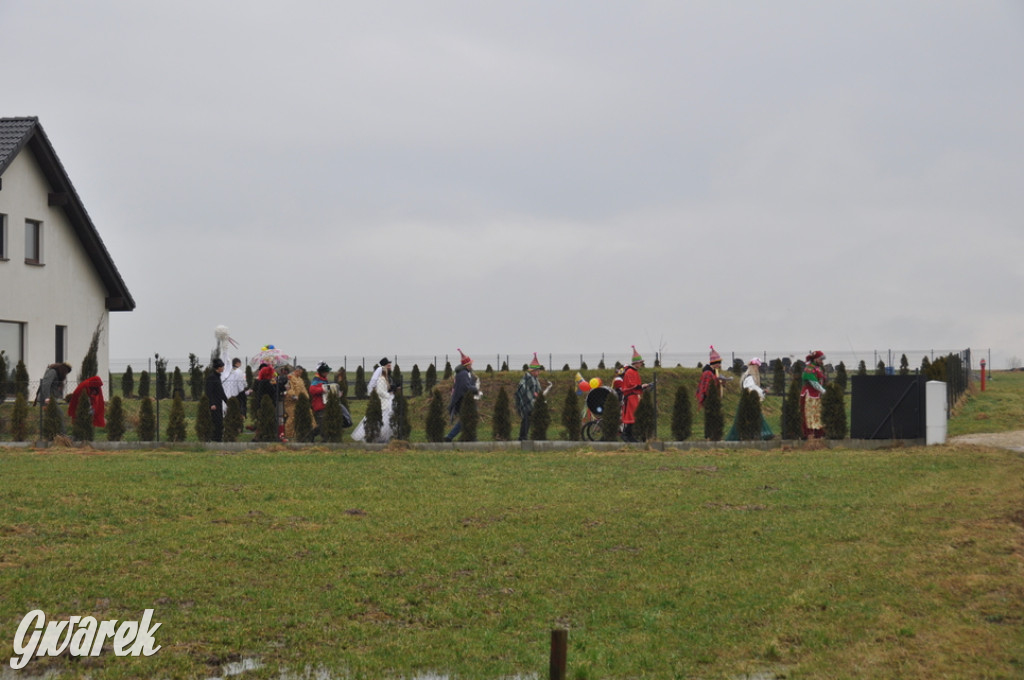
584	386
595	383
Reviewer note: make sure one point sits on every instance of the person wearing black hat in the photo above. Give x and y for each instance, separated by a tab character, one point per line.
215	394
318	398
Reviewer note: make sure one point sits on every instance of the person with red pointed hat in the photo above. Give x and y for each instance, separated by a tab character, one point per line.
813	377
632	388
465	384
710	376
526	395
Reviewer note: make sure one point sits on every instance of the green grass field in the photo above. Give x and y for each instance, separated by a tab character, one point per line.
803	563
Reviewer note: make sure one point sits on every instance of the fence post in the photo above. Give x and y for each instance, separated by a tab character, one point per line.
559	653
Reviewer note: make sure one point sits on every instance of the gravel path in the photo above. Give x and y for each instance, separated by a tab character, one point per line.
1004	440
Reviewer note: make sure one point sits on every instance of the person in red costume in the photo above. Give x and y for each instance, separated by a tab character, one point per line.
710	376
93	389
632	389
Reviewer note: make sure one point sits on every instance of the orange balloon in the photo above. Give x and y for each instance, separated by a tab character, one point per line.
584	386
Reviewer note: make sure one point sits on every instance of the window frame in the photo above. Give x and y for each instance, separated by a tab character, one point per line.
34	237
3	238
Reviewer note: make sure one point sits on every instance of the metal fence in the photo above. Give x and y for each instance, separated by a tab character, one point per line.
578	361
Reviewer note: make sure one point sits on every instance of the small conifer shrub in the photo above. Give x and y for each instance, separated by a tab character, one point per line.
204	419
791	416
714	421
540	419
501	423
748	416
469	415
374	418
447	370
144	384
333	427
435	424
778	377
128	383
115	419
3	376
841	376
90	366
21	379
303	418
416	381
178	383
52	421
81	425
645	425
862	368
266	428
162	386
880	368
176	420
571	415
833	412
682	414
430	379
147	419
360	383
233	421
401	424
19	418
611	419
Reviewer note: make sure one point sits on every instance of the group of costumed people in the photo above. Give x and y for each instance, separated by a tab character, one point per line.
812	389
88	391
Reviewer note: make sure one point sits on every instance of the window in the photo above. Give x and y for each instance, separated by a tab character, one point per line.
33	242
12	336
3	236
60	351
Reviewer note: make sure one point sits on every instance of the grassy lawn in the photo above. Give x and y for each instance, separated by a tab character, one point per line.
906	563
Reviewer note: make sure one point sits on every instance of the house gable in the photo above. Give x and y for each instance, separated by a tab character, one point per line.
19	134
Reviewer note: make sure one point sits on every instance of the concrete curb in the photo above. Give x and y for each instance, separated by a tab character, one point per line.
532	446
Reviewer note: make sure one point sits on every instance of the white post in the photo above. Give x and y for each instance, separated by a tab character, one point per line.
935	412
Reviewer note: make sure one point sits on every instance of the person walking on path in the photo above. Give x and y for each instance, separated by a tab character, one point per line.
465	384
380	384
217	398
632	389
526	395
810	396
234	385
709	377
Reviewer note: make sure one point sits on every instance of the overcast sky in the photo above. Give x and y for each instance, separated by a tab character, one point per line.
411	177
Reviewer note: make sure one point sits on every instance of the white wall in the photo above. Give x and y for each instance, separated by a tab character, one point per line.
64	290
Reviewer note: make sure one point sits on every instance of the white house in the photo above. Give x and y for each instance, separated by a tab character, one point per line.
57	280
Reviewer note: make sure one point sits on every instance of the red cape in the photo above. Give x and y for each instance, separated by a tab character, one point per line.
93	387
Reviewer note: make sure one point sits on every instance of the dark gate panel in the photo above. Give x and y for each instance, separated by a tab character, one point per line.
887	407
